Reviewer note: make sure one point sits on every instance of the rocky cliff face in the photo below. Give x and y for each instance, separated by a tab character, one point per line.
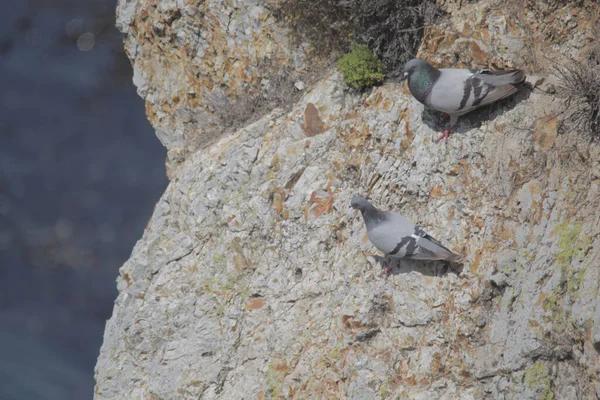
194	60
254	279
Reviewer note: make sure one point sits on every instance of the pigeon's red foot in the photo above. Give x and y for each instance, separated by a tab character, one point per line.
386	270
443	136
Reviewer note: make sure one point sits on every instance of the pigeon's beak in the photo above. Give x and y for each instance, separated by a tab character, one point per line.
404	77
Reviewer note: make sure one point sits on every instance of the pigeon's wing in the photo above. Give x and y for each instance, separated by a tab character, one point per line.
500	77
392	233
429	248
447	92
495	85
400	238
459	91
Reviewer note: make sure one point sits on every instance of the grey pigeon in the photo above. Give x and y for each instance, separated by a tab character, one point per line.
459	91
397	237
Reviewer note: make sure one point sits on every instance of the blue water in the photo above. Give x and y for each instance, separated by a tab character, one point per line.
80	171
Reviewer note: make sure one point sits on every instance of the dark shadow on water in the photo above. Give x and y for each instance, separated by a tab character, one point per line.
476	117
429	268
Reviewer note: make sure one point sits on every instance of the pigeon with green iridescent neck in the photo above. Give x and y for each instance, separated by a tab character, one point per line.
458	91
397	237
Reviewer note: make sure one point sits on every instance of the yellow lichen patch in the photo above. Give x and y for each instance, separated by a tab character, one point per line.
536	377
545	131
569	242
255	304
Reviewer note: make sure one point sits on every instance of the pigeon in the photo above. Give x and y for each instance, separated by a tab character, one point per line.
459	91
397	237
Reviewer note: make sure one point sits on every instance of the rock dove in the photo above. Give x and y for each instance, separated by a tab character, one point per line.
397	237
459	91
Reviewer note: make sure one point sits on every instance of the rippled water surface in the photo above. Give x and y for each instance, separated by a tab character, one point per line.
80	171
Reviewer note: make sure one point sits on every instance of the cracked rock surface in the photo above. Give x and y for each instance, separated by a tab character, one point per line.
254	278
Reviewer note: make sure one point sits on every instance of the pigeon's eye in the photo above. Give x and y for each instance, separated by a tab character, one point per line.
412	69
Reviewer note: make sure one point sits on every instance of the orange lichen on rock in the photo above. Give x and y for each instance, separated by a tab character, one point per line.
320	203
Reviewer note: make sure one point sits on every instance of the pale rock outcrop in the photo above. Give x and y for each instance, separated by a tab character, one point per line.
191	57
254	278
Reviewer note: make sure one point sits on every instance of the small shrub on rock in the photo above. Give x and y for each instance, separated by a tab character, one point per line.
361	67
580	85
392	28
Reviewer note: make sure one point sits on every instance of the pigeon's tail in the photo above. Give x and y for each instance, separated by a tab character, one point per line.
455	258
429	248
502	77
446	255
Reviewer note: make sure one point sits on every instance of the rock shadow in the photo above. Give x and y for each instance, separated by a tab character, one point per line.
429	268
477	117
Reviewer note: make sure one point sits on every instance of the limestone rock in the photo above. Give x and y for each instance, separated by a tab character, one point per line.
254	278
252	275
